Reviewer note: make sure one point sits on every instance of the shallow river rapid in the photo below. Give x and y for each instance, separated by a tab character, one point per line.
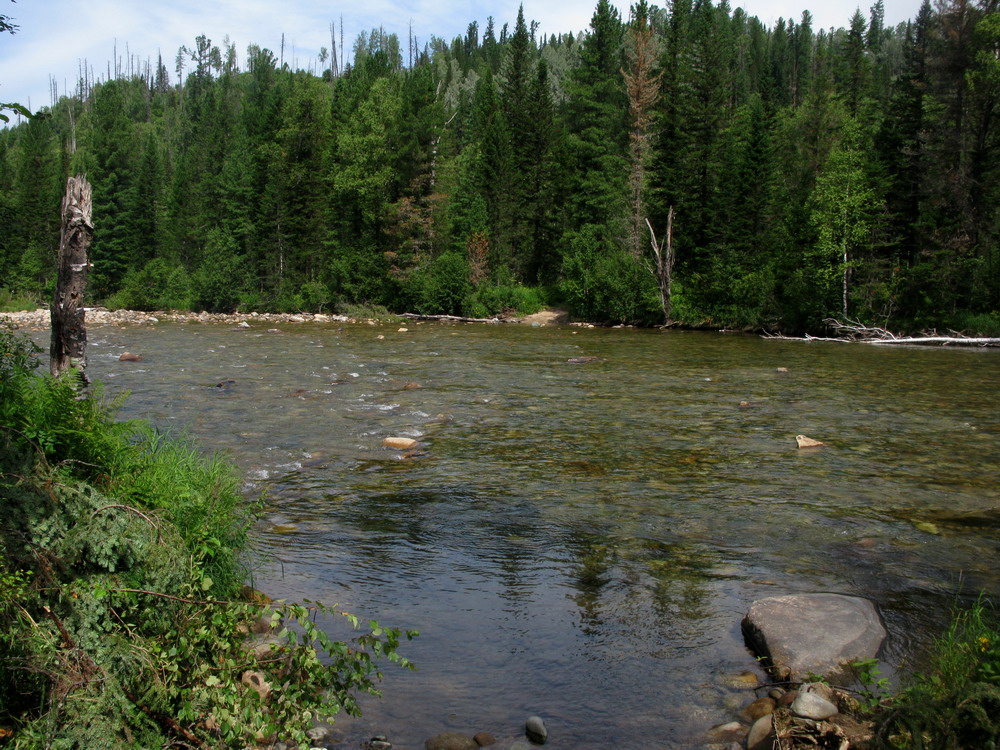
580	541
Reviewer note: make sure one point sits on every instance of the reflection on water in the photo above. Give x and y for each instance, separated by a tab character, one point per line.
580	541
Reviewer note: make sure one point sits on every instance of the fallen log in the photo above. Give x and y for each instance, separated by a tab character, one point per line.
853	332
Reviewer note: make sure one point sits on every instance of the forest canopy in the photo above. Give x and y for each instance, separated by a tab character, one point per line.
810	173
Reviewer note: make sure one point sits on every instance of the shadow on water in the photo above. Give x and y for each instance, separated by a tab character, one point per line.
579	540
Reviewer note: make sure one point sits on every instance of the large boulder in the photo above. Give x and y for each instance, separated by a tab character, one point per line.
819	634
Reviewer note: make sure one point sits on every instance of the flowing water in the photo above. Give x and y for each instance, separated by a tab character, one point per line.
580	540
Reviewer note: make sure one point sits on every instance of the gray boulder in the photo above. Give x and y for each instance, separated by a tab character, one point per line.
820	634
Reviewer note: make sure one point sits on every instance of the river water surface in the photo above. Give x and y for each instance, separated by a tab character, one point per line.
580	541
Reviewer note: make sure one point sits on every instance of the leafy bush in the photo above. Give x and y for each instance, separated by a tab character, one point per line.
603	283
490	299
442	287
159	285
120	568
956	703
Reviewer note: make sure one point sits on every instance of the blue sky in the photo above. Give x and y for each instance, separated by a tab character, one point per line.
55	35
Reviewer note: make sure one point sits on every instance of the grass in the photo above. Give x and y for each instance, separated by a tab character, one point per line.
955	704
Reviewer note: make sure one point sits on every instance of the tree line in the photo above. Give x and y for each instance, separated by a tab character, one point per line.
804	173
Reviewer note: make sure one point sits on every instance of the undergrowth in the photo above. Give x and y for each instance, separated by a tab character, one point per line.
120	582
955	704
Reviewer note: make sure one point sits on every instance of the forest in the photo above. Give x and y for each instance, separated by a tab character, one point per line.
687	164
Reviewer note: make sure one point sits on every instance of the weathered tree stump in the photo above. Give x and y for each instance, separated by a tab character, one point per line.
69	331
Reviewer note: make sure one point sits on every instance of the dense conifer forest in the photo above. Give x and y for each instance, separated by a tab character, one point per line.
804	173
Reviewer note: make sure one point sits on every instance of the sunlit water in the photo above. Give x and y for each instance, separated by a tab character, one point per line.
580	541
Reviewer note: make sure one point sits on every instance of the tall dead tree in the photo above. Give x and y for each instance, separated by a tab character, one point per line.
69	331
643	86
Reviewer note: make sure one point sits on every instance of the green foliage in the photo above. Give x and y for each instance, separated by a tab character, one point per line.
158	285
443	286
956	703
604	283
505	299
874	687
120	566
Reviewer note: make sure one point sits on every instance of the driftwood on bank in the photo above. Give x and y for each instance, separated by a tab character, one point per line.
853	332
457	318
69	333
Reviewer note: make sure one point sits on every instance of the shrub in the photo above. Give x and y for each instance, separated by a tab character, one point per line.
120	562
956	703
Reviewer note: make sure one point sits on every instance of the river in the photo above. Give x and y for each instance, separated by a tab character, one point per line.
581	540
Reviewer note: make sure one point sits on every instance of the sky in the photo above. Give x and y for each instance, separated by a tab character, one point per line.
55	36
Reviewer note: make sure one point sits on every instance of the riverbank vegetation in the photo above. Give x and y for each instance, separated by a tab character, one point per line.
122	562
811	172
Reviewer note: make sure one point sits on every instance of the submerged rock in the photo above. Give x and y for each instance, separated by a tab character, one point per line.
129	357
450	741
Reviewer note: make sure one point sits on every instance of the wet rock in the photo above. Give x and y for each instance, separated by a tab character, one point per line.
760	707
129	357
581	360
812	706
813	633
535	729
402	330
782	369
450	741
242	324
732	731
787	698
807	442
412	387
224	384
484	739
776	694
818	688
761	735
400	443
744	404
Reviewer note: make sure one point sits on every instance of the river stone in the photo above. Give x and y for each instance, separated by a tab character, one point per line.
761	735
129	357
534	727
760	707
450	741
399	443
813	633
812	706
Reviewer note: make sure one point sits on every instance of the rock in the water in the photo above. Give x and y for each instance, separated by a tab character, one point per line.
732	731
450	741
129	357
581	360
808	442
534	727
812	706
760	707
400	443
813	633
484	739
761	735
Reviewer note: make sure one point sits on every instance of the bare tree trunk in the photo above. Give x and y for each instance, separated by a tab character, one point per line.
663	255
69	331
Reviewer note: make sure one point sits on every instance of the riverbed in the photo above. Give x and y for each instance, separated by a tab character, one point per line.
579	539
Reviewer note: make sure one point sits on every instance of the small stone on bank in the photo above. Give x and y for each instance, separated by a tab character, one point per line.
534	727
812	706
